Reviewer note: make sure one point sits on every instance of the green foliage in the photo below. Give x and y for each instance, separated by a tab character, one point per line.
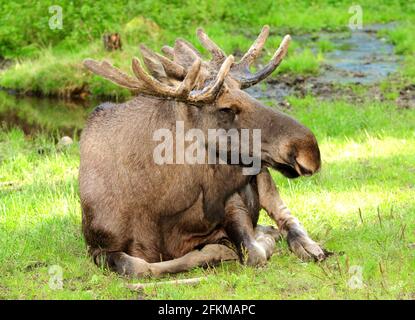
24	29
324	45
302	63
49	61
403	37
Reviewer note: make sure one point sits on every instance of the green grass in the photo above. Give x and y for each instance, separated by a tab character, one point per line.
403	37
302	63
361	205
368	167
49	61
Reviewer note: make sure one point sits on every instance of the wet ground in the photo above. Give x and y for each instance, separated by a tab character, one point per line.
358	57
362	57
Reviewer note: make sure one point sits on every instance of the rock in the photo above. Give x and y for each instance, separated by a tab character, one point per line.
140	28
64	142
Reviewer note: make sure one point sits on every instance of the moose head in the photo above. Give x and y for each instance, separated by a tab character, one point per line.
212	92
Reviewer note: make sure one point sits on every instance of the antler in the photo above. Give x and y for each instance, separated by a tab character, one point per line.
218	56
179	74
240	71
148	84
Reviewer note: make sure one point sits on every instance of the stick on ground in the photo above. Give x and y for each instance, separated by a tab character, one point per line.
141	286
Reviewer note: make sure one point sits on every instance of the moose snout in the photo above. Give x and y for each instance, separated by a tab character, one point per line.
308	163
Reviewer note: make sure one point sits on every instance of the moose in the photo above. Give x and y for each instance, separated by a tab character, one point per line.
140	218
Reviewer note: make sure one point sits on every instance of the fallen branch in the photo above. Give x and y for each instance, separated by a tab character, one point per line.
7	184
141	286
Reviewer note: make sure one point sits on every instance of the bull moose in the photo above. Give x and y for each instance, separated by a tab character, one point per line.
142	218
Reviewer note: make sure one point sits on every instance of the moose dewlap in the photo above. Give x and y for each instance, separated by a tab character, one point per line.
141	216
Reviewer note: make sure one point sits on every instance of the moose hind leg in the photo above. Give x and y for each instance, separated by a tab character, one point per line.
127	265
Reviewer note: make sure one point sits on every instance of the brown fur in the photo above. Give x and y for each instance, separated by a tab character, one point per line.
133	207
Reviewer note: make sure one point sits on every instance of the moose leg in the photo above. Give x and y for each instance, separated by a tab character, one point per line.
127	265
289	226
254	247
266	236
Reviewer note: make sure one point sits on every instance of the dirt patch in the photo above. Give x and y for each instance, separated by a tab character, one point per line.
276	90
406	97
5	63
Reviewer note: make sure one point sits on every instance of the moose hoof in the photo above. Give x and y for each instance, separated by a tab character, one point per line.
268	230
126	265
256	255
302	246
267	242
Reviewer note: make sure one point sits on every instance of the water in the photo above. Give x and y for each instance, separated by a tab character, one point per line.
36	115
361	58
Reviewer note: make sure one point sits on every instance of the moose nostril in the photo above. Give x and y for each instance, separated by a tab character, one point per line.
303	170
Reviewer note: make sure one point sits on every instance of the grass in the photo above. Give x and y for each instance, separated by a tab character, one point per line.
48	61
360	206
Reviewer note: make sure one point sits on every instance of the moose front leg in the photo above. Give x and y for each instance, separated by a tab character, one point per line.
254	246
289	226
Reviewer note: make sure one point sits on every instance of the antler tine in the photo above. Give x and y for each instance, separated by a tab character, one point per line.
149	82
209	93
218	56
168	52
185	54
256	48
153	64
189	81
189	46
108	71
182	91
171	68
247	79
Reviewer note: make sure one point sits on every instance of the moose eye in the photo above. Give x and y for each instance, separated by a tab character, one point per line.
227	114
227	111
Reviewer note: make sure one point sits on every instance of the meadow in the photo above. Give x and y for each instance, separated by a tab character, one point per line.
360	206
